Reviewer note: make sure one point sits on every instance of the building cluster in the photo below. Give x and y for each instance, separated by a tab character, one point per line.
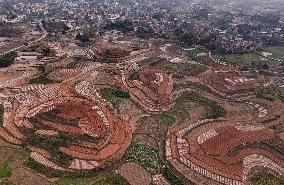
152	18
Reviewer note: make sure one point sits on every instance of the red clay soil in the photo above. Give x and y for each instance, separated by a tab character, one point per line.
89	119
213	153
62	128
119	139
151	92
233	138
112	137
220	84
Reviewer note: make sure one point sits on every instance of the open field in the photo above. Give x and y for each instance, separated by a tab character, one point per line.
244	61
113	95
187	102
271	93
146	157
184	70
13	170
266	179
99	179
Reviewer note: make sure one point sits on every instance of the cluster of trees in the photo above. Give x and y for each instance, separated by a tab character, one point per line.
145	32
42	79
172	178
124	26
55	27
274	40
87	34
270	93
9	31
248	34
201	14
47	52
271	20
7	59
113	95
246	29
127	26
186	38
223	24
83	38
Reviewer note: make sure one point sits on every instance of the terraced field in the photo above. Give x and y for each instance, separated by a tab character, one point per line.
151	111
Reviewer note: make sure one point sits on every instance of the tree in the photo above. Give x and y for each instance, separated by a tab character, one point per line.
8	59
82	38
47	52
123	26
144	32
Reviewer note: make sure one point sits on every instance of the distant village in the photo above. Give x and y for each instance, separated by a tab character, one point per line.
222	30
